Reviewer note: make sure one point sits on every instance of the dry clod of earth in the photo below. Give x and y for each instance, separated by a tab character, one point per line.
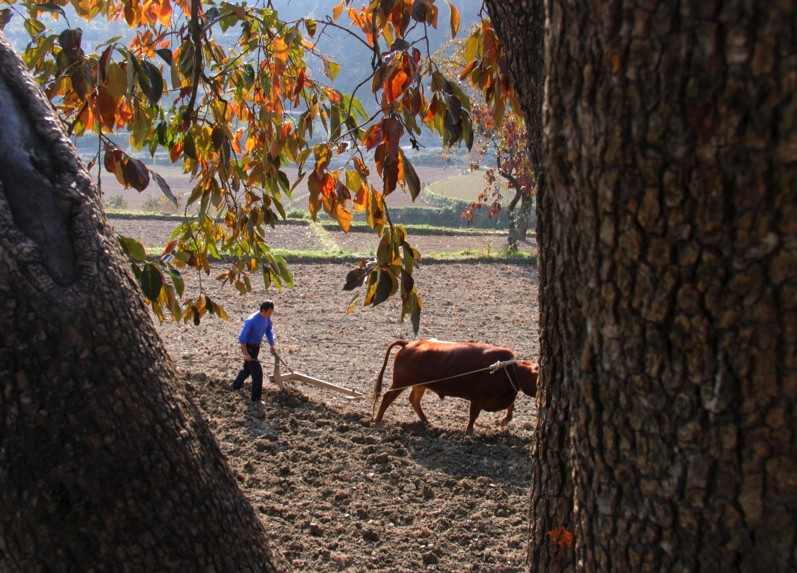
336	493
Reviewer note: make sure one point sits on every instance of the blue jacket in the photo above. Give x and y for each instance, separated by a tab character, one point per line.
254	328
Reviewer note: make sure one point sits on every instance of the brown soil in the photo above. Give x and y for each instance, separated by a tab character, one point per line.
334	492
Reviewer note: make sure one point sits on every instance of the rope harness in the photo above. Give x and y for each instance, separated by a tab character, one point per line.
493	368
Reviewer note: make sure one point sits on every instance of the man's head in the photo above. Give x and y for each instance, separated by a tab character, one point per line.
267	308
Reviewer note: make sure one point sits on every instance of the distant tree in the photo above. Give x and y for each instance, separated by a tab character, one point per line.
508	144
500	129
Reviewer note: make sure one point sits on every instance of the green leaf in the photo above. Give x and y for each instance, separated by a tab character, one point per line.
5	17
132	248
151	281
353	180
70	40
177	280
165	189
189	147
185	62
33	27
166	55
45	7
386	286
151	81
331	69
415	313
411	177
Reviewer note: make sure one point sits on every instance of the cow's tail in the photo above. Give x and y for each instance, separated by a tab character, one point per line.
378	384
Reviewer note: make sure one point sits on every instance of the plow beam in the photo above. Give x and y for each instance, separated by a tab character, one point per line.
279	379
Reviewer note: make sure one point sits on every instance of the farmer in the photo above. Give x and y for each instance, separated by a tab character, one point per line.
251	337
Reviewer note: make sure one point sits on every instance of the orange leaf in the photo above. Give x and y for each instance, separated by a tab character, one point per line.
372	136
454	19
107	107
281	49
361	168
328	185
336	11
343	217
162	10
361	199
564	539
175	151
333	95
299	82
123	115
396	85
467	70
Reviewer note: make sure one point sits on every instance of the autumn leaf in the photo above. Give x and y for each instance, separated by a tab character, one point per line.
563	538
336	11
453	19
410	177
280	49
136	175
356	277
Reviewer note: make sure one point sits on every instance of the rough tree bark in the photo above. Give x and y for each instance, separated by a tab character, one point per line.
105	463
668	263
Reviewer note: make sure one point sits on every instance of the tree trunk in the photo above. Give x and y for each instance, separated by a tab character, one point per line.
105	462
526	207
668	262
513	223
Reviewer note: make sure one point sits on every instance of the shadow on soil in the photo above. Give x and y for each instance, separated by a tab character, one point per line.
495	454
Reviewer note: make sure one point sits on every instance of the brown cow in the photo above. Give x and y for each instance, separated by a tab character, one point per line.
458	369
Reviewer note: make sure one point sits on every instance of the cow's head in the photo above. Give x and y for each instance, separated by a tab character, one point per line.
527	377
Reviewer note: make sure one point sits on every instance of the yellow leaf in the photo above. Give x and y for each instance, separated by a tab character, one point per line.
387	31
281	49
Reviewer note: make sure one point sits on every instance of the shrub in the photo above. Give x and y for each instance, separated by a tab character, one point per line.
159	204
297	214
116	202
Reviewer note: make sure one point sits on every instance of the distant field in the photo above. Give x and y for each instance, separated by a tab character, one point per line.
466	186
446	181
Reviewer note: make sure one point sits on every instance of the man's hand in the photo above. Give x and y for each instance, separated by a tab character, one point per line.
274	350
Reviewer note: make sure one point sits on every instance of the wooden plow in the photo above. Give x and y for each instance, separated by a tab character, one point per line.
279	379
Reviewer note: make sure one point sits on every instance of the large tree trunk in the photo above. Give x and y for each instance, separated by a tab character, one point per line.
668	263
105	463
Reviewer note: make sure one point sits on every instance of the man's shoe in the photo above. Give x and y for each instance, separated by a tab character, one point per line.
232	386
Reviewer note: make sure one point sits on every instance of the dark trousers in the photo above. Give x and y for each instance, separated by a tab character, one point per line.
254	369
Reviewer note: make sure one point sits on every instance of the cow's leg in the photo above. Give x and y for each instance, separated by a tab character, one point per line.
475	410
508	417
387	400
415	399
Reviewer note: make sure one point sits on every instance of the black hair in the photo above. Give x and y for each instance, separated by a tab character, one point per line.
266	305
